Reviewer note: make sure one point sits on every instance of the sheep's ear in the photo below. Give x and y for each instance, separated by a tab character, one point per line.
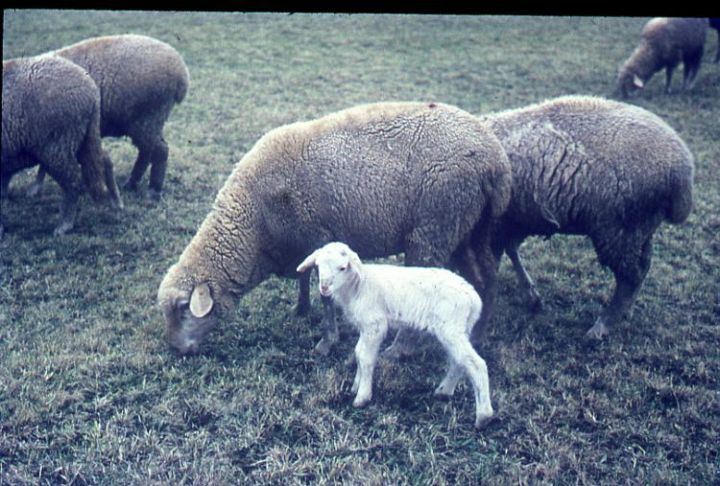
309	262
637	82
201	302
354	259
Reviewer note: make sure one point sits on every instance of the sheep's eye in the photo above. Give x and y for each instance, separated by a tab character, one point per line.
342	268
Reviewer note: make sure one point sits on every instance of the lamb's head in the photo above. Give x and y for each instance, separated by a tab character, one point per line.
190	309
337	266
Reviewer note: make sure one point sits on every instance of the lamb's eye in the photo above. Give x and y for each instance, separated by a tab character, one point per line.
342	268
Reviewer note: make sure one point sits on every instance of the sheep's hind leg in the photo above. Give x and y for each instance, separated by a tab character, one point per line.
447	386
532	297
629	275
331	334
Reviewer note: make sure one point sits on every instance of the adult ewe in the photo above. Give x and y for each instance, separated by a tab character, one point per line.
385	178
665	42
141	79
588	166
51	117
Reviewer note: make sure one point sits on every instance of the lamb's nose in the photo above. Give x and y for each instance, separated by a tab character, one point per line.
324	289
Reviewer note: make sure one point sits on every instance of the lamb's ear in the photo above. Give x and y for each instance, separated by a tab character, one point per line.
309	262
201	302
354	259
637	82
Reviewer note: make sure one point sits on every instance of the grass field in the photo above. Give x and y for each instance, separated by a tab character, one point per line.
91	394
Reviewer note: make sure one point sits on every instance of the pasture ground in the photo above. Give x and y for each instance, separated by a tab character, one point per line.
91	394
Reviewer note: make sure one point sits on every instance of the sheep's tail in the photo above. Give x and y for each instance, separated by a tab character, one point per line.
182	85
90	156
681	197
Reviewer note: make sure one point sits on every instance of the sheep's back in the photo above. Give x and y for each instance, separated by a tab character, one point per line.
134	73
371	175
580	162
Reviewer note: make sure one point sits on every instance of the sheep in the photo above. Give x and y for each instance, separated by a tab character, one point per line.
715	24
589	166
384	177
376	297
665	42
51	117
141	79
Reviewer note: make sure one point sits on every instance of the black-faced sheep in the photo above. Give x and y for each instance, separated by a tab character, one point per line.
51	117
385	178
588	166
665	43
376	298
141	79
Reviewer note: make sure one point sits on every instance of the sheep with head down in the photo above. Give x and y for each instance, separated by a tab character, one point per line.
51	118
141	79
665	43
589	166
384	177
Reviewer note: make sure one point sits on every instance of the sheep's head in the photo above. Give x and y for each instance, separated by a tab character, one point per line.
190	311
337	266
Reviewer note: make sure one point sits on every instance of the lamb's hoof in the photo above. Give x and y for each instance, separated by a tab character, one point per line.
482	421
359	403
63	228
323	347
442	395
33	190
395	352
598	331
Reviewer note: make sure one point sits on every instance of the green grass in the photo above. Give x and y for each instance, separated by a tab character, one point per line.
91	394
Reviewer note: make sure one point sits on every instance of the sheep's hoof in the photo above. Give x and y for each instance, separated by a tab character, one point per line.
130	185
534	303
302	309
323	347
359	403
63	228
598	331
482	421
33	190
155	194
442	395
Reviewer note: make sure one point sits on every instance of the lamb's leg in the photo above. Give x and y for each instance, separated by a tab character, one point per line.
630	271
532	297
461	352
34	188
447	386
331	335
366	352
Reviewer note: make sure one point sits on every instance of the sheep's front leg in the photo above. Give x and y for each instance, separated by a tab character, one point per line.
331	335
532	296
366	352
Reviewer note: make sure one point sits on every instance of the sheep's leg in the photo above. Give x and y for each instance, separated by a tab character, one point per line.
331	334
72	187
691	66
447	386
668	78
303	305
34	188
366	352
158	167
113	191
461	352
629	275
532	297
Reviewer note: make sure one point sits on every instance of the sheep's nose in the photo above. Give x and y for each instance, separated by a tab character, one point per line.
324	289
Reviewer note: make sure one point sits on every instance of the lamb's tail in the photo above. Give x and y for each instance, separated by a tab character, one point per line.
681	197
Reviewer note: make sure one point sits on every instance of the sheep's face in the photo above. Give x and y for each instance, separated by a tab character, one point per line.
629	83
189	315
336	263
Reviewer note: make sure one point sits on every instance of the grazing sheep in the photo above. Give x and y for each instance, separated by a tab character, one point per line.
376	297
51	117
588	166
385	177
141	79
665	42
715	24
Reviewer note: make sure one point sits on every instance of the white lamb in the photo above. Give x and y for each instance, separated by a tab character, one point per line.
376	297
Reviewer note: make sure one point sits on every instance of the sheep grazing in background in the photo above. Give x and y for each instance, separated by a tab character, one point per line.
385	178
665	42
51	117
588	166
377	297
715	24
141	79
